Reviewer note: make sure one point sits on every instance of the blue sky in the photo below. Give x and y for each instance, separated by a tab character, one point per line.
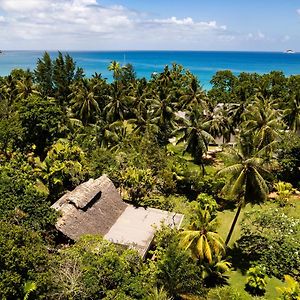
150	24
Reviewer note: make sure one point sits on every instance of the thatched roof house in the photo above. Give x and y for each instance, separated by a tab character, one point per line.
95	207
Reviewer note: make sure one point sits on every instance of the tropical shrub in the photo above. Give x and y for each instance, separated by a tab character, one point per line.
63	168
288	158
226	293
207	202
284	191
42	121
291	290
256	281
22	201
175	271
136	183
23	258
271	238
96	269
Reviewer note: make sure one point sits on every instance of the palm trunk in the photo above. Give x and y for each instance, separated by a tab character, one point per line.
233	224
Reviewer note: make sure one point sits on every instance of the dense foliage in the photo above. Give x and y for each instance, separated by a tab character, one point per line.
272	239
156	139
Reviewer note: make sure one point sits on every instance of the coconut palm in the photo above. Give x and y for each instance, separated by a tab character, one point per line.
137	95
292	113
116	108
143	122
201	238
84	101
264	121
214	273
161	108
195	133
110	135
115	67
25	87
193	96
164	79
220	124
246	169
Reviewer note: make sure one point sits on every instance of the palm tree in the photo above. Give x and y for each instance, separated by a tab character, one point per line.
214	273
137	95
116	68
84	100
264	121
116	108
143	122
25	86
220	124
201	237
246	169
193	96
109	135
161	109
195	133
164	79
292	113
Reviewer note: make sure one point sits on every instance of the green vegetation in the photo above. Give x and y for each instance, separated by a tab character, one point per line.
156	140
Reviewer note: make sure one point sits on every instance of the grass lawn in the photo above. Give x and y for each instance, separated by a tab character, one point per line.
236	279
225	217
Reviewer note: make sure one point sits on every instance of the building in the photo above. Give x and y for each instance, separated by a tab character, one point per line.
95	207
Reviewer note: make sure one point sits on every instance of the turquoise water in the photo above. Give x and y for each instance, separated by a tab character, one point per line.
203	64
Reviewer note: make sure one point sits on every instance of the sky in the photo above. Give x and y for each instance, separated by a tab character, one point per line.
238	25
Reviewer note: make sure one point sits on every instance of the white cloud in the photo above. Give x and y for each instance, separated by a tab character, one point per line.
189	22
257	36
86	24
175	21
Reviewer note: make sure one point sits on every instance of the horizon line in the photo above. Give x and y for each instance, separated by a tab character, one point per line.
137	50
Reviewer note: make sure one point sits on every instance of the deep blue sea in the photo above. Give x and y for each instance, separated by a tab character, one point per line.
203	64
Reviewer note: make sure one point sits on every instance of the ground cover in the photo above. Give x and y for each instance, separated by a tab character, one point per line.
237	280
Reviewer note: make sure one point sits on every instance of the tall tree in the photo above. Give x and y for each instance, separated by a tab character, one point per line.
84	100
161	107
116	107
194	132
44	75
115	67
194	96
264	121
246	169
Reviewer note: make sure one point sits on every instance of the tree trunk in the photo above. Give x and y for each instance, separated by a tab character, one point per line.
233	224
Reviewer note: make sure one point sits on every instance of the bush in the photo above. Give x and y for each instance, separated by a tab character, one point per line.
271	238
176	271
96	269
289	159
23	258
291	291
226	293
21	199
284	191
207	202
256	281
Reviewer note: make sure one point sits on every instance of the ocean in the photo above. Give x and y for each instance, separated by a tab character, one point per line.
204	64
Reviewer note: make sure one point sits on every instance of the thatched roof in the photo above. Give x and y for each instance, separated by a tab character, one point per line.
136	227
95	207
91	208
